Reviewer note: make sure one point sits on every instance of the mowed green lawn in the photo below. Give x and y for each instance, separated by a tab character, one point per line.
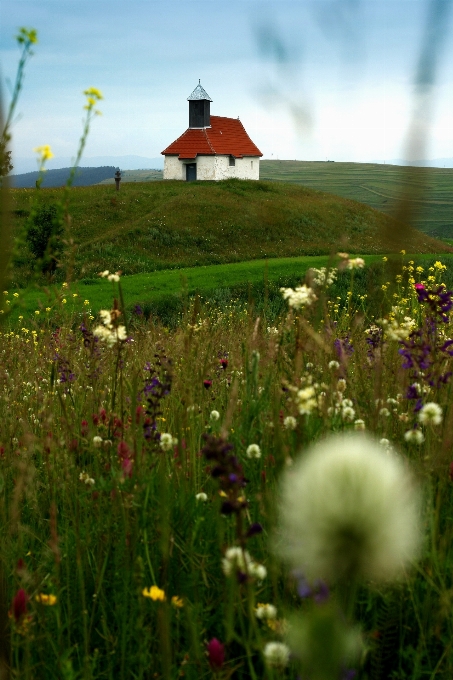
157	286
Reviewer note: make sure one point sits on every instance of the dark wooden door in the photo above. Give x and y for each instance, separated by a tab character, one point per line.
191	172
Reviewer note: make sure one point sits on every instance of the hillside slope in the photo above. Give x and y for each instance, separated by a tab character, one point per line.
160	225
428	190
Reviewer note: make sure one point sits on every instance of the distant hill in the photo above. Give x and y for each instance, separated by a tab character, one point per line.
433	163
161	225
24	164
428	190
56	178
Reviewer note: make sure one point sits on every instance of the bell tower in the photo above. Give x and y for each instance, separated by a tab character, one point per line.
199	108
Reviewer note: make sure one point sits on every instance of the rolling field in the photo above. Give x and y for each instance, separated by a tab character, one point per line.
428	190
162	225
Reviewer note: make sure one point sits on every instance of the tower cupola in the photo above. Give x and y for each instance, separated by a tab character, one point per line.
199	108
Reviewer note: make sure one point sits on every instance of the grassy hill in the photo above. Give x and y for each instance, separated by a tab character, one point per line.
161	225
427	190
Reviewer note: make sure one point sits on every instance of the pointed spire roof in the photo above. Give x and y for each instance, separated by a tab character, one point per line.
199	93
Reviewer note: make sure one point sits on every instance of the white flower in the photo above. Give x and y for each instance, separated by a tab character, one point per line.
290	423
349	510
306	400
276	654
113	277
104	274
265	611
253	451
298	297
258	570
167	442
97	442
341	385
201	497
237	559
106	317
430	413
334	364
215	415
348	414
356	263
414	436
384	412
359	424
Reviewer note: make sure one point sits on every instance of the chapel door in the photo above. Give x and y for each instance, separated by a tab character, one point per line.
191	172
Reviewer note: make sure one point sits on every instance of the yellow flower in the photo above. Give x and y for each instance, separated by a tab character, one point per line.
403	252
64	285
177	602
48	309
86	302
94	93
27	35
384	259
154	593
37	311
48	600
5	292
15	294
64	301
75	295
44	151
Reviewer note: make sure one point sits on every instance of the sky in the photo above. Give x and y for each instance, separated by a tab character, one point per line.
309	79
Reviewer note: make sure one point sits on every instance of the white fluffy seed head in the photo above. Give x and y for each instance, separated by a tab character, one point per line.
349	510
430	413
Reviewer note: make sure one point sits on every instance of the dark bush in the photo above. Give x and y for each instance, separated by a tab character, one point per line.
44	232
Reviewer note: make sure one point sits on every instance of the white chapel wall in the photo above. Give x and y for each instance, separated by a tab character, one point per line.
214	168
173	168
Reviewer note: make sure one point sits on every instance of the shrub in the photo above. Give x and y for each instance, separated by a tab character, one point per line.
44	232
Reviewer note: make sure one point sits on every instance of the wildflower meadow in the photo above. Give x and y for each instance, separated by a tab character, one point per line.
241	494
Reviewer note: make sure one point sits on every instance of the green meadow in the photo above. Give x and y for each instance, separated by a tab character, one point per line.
162	225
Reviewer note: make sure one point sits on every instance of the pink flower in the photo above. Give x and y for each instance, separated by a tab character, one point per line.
419	286
216	653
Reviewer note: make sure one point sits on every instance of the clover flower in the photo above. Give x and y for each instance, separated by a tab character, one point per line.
349	510
359	424
238	561
414	436
306	400
290	423
298	297
276	654
201	497
356	263
97	442
265	611
214	415
253	451
430	413
216	653
333	364
167	441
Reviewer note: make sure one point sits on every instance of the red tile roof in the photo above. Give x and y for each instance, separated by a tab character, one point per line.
226	136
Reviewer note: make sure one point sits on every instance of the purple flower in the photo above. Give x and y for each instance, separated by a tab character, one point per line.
216	653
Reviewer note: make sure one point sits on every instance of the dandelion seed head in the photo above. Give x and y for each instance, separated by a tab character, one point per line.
349	509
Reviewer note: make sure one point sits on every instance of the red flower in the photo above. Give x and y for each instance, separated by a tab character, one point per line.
19	605
224	363
216	653
207	383
127	466
123	450
84	428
